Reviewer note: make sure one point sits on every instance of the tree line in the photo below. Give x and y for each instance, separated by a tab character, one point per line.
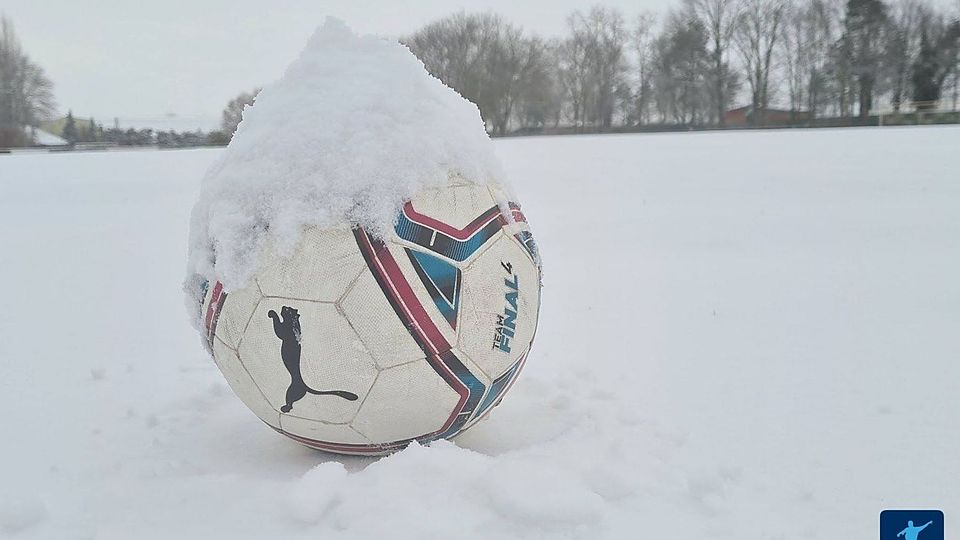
27	101
813	58
687	67
90	132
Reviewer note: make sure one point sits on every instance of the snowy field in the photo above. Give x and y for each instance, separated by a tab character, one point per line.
743	336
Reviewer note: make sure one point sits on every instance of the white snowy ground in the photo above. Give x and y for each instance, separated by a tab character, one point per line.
743	335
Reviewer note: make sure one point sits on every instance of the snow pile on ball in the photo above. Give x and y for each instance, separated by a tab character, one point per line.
359	271
354	128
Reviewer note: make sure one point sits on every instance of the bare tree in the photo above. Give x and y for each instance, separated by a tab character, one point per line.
809	32
26	94
756	39
841	77
822	21
643	52
719	19
956	65
512	64
540	102
233	112
483	57
798	54
574	76
593	64
611	42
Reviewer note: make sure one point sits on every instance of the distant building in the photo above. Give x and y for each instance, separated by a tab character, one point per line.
747	116
39	137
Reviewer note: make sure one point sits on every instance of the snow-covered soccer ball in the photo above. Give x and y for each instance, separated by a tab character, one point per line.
360	345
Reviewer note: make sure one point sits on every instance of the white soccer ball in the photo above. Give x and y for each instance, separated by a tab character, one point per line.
360	345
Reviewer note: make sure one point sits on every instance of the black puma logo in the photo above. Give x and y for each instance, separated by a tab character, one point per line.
288	330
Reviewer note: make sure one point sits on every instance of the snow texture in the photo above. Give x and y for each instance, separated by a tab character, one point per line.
744	336
355	127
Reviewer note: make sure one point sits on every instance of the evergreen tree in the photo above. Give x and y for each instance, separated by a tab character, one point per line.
934	62
70	128
866	26
925	90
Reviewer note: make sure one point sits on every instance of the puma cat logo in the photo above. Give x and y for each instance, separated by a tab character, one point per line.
288	330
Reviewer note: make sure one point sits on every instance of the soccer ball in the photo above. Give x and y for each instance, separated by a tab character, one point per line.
359	345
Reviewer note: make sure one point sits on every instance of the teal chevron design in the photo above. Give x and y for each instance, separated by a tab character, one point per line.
442	281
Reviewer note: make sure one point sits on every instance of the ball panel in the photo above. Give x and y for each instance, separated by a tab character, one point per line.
481	377
519	231
501	296
242	384
321	431
456	206
498	389
321	268
376	323
407	401
235	314
209	291
329	357
419	289
472	366
214	296
443	241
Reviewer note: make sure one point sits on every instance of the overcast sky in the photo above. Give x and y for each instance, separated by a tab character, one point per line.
141	61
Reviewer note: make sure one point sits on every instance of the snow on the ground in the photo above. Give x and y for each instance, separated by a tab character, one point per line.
743	336
355	127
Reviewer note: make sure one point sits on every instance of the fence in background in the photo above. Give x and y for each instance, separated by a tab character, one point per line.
909	114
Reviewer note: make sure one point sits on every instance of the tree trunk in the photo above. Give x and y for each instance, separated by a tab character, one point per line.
866	96
812	94
718	84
